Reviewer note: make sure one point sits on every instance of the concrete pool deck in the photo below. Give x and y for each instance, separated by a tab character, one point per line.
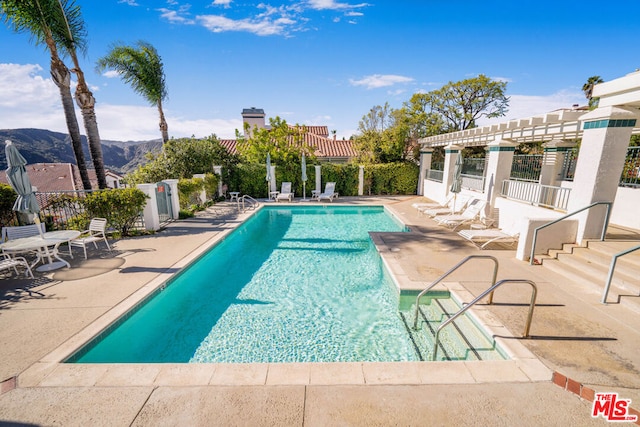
575	342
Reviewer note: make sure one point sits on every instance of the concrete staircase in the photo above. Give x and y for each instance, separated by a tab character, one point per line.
589	266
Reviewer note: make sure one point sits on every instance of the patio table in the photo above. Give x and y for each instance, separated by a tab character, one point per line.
45	245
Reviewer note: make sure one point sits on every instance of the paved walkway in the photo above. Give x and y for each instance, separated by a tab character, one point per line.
589	346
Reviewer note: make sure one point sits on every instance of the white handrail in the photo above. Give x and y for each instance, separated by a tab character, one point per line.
612	268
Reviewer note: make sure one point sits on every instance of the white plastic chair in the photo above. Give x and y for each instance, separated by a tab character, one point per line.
285	192
6	262
329	192
94	234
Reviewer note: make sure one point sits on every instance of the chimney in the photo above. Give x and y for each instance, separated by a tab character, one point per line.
254	117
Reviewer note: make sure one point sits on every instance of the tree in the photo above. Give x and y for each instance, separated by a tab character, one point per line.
70	35
35	17
462	103
587	88
141	67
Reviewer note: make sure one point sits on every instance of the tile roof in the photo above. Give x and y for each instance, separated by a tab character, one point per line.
51	177
325	148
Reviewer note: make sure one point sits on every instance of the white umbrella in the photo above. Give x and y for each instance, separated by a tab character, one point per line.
304	178
268	177
20	182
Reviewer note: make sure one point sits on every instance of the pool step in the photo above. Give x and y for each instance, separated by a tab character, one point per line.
461	340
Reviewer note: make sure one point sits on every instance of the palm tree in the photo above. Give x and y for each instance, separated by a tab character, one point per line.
33	17
141	67
587	88
70	35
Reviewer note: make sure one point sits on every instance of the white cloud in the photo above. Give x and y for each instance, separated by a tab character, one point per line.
111	74
225	3
333	5
263	27
376	81
174	17
523	106
129	2
29	100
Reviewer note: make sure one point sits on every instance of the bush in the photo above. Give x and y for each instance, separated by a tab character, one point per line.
7	199
121	207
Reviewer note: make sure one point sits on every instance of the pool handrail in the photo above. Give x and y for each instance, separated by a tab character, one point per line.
490	290
602	234
612	268
246	198
451	270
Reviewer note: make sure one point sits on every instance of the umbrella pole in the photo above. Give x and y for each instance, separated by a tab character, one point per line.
304	191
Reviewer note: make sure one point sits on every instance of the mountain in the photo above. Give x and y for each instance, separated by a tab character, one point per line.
44	146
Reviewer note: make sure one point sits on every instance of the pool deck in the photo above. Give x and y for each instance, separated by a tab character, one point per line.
577	346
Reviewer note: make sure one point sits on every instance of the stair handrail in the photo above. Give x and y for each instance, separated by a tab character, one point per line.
604	226
252	202
612	268
490	290
451	270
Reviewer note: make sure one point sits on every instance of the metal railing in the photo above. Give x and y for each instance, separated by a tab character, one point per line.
527	325
246	202
435	175
612	268
537	194
526	167
631	171
604	226
473	182
451	270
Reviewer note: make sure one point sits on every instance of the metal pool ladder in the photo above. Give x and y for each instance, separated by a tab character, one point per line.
246	203
527	325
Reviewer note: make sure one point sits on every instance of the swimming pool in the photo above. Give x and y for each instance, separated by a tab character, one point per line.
292	284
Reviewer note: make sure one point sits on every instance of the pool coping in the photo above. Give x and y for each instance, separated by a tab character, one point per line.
49	371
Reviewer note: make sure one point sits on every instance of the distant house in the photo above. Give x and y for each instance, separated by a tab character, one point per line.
327	149
55	177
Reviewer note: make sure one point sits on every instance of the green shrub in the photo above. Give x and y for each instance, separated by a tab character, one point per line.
7	199
121	207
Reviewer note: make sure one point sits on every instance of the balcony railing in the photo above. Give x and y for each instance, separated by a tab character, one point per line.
538	195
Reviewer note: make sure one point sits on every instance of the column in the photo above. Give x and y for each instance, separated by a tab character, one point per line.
555	153
605	139
318	179
499	165
218	171
150	211
361	181
451	153
425	164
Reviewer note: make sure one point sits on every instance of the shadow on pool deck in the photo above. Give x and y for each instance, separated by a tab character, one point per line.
592	346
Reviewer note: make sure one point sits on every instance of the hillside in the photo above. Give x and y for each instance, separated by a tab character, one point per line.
44	146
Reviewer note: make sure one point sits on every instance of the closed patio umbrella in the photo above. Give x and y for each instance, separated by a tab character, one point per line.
456	185
20	182
268	177
304	177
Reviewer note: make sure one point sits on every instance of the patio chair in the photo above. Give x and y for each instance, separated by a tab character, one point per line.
285	192
455	205
94	234
6	262
18	232
431	205
483	237
471	212
329	192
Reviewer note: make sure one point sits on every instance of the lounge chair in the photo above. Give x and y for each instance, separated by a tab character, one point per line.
285	192
481	238
453	206
470	214
94	234
329	192
431	205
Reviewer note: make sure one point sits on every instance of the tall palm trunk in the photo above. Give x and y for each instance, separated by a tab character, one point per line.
164	127
86	102
62	78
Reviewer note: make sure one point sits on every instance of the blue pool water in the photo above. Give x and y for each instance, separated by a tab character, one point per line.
292	284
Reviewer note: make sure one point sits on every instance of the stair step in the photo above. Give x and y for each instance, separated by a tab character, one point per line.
625	275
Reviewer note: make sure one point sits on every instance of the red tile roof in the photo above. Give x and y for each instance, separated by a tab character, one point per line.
325	148
51	177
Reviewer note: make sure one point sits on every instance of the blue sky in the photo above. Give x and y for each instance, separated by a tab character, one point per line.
323	62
